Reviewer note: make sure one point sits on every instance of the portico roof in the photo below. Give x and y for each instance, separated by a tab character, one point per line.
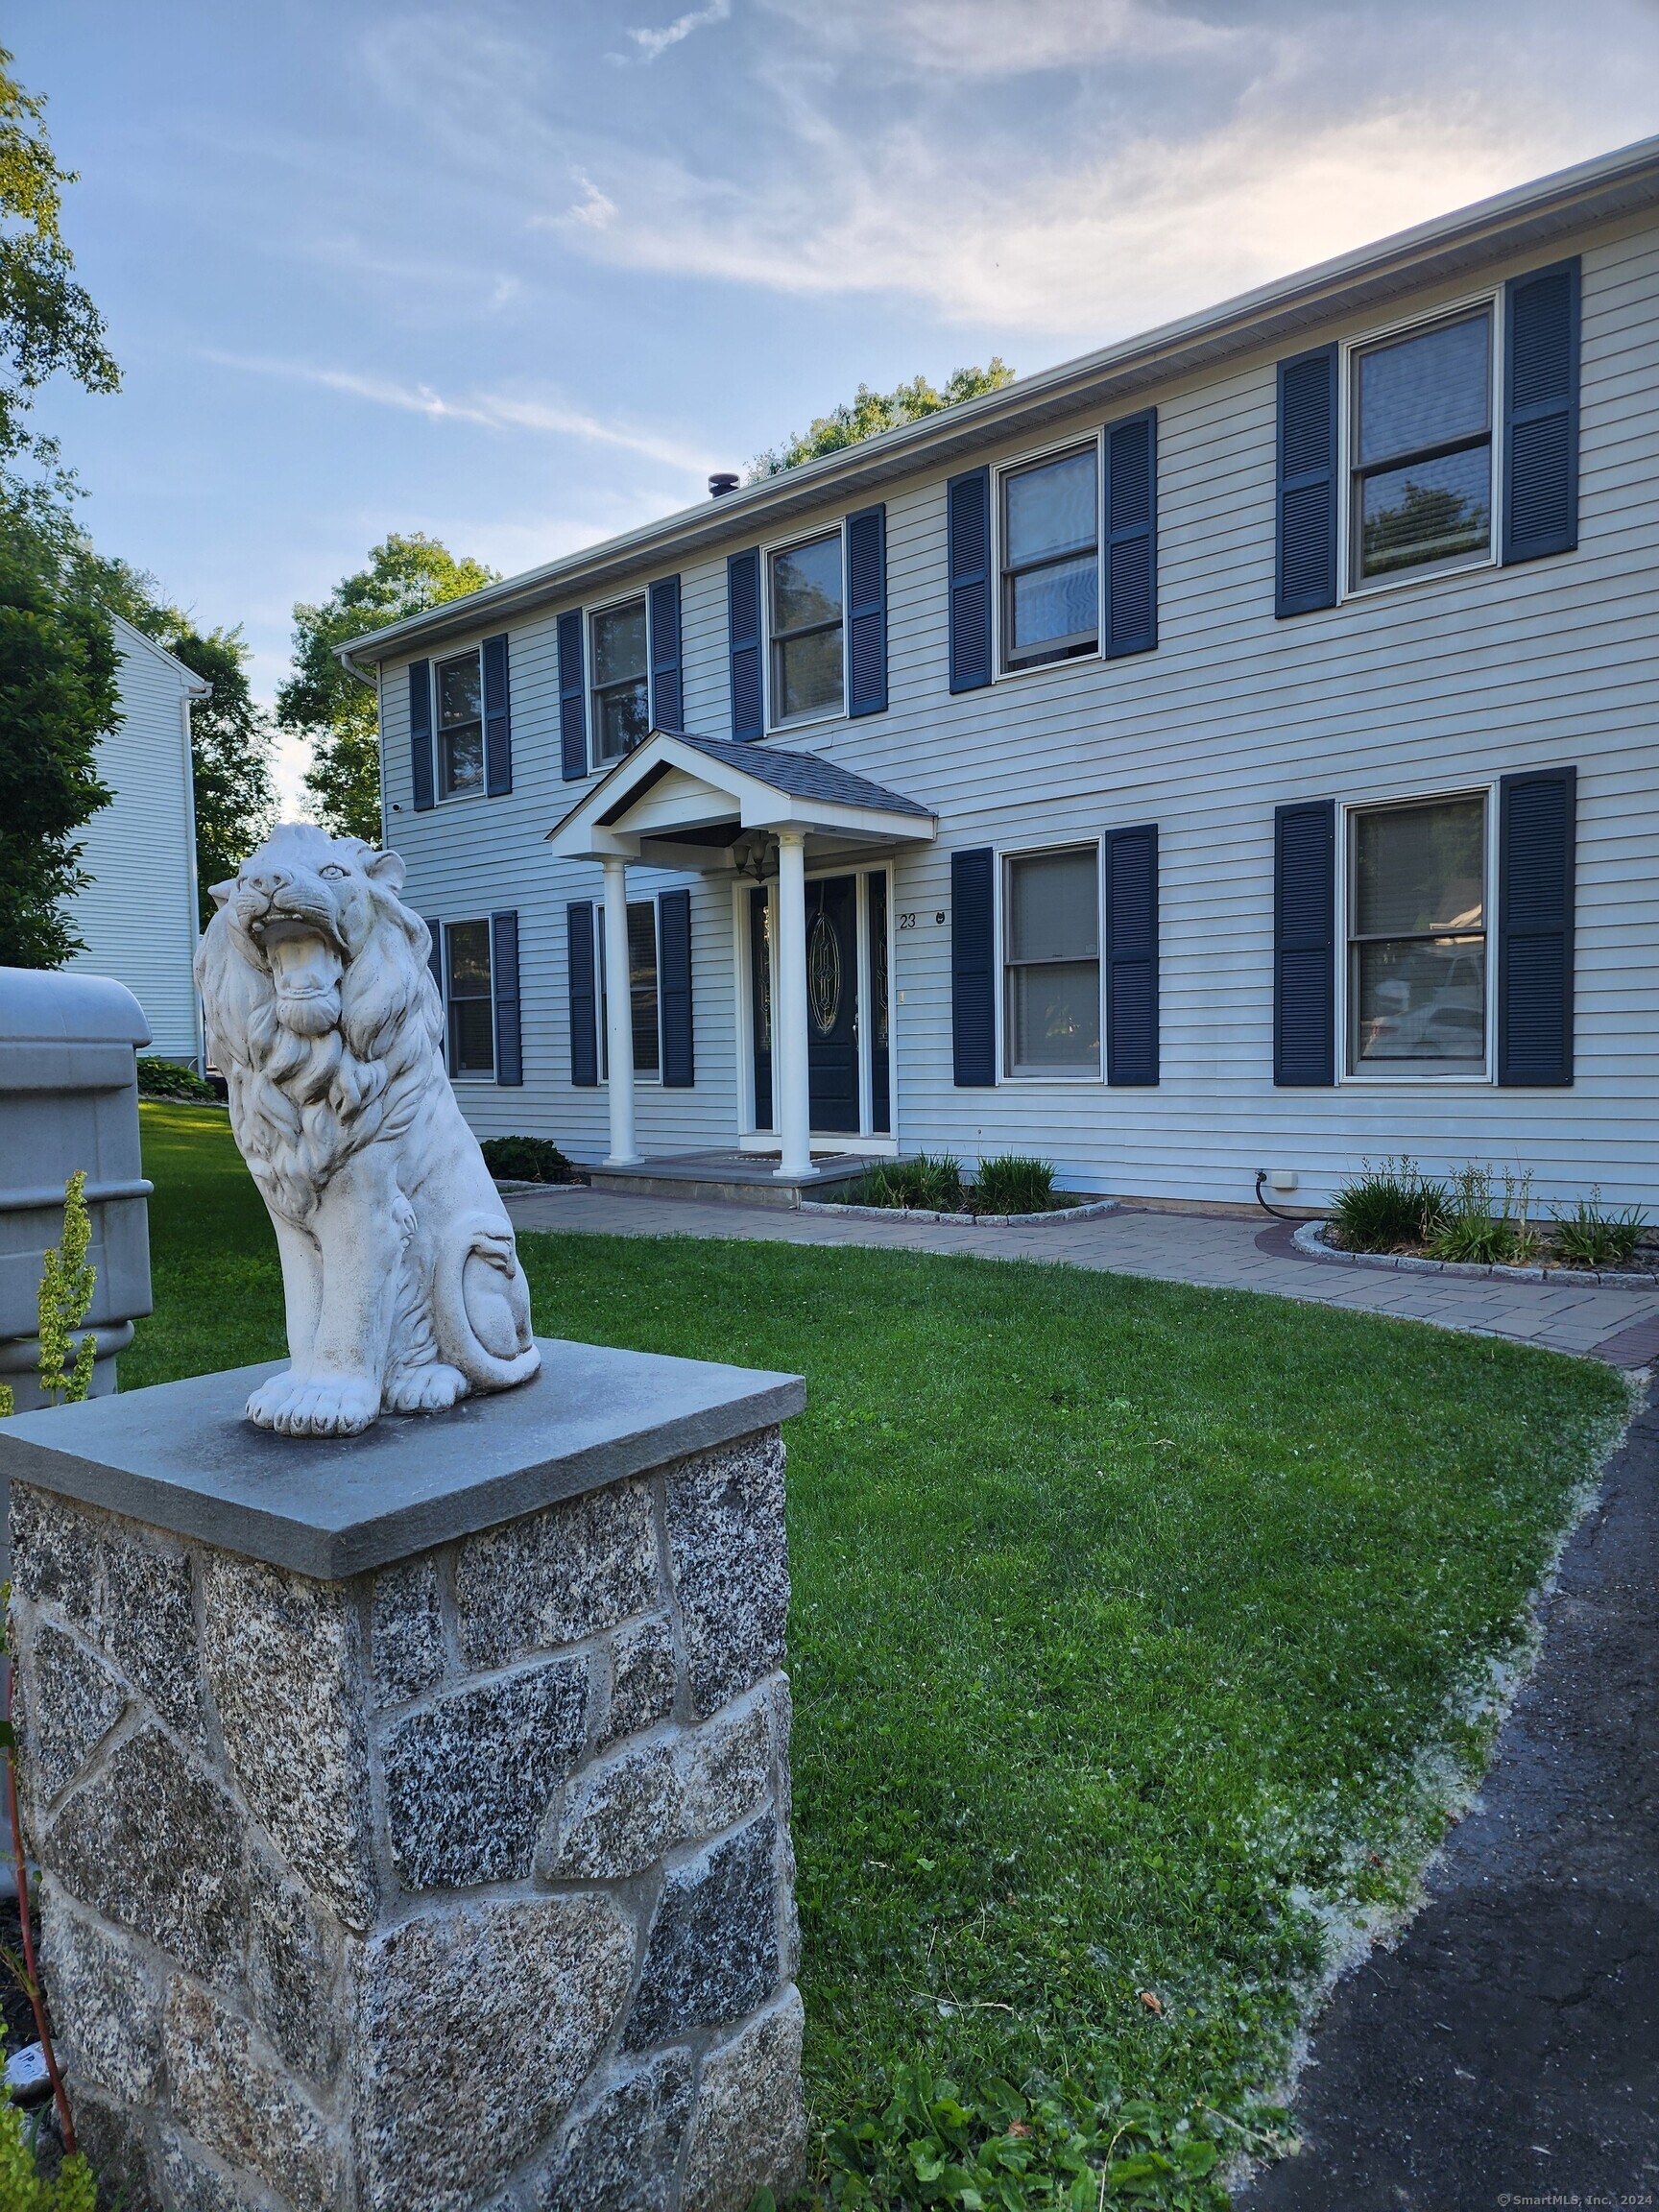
683	801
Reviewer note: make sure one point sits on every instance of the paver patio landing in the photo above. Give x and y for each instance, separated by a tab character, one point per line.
1220	1252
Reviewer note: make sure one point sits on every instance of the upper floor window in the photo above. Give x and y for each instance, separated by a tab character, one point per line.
621	680
1417	938
1422	450
804	585
1050	538
460	726
470	999
1051	963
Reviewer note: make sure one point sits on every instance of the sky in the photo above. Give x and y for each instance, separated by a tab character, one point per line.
521	273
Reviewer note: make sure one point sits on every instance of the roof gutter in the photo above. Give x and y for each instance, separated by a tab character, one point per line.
1531	215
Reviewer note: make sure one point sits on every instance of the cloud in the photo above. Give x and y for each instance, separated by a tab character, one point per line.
652	44
989	38
488	410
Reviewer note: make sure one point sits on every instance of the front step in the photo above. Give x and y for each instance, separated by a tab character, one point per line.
736	1178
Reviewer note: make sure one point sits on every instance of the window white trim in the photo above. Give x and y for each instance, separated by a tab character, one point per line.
1003	854
1003	470
1348	348
598	763
771	723
1376	1078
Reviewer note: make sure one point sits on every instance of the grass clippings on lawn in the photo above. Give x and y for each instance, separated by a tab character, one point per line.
1138	1641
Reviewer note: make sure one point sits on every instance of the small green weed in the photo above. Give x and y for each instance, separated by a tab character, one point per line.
932	1181
1388	1207
526	1160
1591	1236
1013	1183
1482	1227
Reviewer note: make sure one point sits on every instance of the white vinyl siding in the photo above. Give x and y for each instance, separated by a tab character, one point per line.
1447	685
137	917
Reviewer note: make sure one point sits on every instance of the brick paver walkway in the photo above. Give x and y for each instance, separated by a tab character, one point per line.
1219	1252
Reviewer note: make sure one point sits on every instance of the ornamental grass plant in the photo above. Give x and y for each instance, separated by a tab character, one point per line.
1391	1206
931	1182
1592	1236
1014	1183
1483	1225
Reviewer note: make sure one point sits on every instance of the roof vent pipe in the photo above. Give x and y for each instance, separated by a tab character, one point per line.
721	483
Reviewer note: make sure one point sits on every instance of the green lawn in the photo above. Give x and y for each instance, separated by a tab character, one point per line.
1137	1632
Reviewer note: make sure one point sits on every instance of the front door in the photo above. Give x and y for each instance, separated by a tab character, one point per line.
833	1002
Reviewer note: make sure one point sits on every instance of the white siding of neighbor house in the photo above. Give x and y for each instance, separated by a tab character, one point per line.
1437	685
137	916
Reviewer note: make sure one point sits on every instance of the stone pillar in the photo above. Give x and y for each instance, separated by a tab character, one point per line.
789	1028
413	1809
618	1017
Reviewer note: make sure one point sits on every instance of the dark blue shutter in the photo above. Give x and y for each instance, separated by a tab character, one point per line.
1132	535
435	961
974	965
1132	955
1540	413
498	720
666	710
867	610
583	995
1536	840
504	977
572	702
420	733
1307	531
743	636
968	533
1304	943
674	989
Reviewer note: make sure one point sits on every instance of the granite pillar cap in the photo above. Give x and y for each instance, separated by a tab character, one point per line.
183	1457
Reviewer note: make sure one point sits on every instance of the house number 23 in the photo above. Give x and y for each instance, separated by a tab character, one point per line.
908	920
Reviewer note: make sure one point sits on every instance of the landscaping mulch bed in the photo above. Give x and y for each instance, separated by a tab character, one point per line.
1317	1239
1064	1208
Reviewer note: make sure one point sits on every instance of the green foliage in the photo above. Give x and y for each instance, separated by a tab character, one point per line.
1483	1227
322	702
931	1183
992	2146
73	2188
526	1160
1014	1183
58	699
67	1286
172	1079
7	1402
1127	1618
1392	1207
47	323
1591	1236
869	412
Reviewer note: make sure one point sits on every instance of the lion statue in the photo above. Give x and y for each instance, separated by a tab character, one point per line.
402	1286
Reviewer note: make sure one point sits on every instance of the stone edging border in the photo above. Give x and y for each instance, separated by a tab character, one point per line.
1310	1241
1092	1212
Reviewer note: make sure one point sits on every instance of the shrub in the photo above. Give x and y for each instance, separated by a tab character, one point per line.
1012	1184
1390	1205
1590	1237
1481	1227
23	2187
526	1160
172	1079
931	1182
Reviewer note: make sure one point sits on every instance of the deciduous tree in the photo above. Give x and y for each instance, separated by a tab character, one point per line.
869	412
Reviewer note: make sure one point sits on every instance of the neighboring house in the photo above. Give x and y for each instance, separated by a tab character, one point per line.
137	917
1236	749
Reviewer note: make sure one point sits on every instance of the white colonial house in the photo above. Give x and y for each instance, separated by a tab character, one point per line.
1233	750
137	917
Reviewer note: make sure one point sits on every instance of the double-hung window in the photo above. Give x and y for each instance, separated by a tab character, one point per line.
1051	963
805	593
1417	938
1050	542
460	726
642	991
1421	450
470	999
621	680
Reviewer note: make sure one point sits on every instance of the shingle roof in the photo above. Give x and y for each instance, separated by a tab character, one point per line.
801	775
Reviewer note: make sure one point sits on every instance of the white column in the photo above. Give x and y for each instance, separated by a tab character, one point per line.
790	1014
618	1015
